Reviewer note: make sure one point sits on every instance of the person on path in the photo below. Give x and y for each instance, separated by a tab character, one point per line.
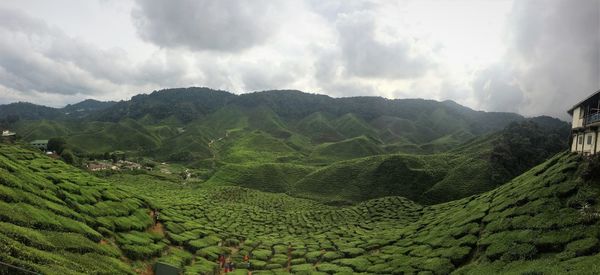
221	261
247	260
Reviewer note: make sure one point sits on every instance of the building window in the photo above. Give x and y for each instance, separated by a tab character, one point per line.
589	140
581	112
580	140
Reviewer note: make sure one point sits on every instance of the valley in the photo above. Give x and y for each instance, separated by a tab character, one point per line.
58	219
321	186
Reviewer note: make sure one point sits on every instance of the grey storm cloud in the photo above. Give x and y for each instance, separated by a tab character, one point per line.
224	25
497	89
35	57
553	54
336	47
561	46
364	56
26	63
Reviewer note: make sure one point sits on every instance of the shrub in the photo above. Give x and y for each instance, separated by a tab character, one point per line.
331	255
583	247
357	264
176	257
524	251
332	268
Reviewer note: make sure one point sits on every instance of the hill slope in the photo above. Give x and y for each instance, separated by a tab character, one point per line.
57	219
54	219
281	114
533	224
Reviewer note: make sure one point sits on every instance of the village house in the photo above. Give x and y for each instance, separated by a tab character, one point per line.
123	164
41	144
99	166
585	126
7	133
8	136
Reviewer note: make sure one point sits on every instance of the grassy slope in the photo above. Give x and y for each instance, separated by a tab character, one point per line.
426	179
255	146
366	178
57	220
270	177
356	147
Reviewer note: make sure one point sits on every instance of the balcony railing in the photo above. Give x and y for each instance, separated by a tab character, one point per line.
592	118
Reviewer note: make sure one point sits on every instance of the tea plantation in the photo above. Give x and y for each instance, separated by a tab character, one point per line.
54	219
57	219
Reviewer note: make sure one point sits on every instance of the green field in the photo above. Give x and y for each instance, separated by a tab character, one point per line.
303	183
59	220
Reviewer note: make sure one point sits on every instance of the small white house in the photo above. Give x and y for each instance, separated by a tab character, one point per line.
585	125
7	133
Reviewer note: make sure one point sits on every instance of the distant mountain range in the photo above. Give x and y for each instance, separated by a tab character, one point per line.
29	111
306	145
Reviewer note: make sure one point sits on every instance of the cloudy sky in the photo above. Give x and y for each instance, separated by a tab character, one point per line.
527	56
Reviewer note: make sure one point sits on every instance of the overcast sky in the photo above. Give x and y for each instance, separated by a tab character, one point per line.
528	56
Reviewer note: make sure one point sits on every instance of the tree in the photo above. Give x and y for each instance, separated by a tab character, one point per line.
523	145
68	157
57	144
114	157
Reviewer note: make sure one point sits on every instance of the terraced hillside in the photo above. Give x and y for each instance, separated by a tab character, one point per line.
543	222
57	219
54	219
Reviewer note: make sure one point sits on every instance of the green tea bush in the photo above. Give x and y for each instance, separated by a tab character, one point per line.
176	257
583	247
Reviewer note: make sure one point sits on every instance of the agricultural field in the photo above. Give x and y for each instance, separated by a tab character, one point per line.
535	224
58	219
55	219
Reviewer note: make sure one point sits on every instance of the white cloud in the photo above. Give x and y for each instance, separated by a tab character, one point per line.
500	55
225	25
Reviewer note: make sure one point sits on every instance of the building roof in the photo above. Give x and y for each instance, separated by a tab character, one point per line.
39	141
7	133
570	111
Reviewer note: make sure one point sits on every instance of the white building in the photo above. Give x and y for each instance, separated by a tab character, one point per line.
7	133
585	125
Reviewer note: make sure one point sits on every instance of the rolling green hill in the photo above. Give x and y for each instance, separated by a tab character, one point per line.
543	222
356	147
348	143
57	219
414	125
54	219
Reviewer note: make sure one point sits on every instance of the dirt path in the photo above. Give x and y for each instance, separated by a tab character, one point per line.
157	228
213	151
289	262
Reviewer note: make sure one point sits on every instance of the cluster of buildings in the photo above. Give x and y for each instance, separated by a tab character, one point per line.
119	165
585	126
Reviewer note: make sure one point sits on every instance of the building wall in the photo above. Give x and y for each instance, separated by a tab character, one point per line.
582	146
589	138
577	118
574	143
597	140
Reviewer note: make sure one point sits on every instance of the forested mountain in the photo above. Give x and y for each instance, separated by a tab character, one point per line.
412	124
86	107
29	111
334	150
